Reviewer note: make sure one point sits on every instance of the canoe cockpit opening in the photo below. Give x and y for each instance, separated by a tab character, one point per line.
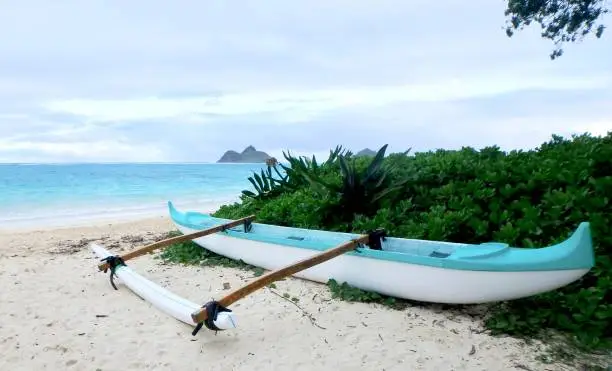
437	254
246	227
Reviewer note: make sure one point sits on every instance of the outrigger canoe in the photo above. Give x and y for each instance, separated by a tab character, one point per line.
422	270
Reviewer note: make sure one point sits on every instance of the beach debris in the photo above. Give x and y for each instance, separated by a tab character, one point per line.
472	351
439	323
312	319
522	367
132	238
68	247
226	285
477	331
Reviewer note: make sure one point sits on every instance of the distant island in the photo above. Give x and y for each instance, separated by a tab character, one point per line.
249	155
366	152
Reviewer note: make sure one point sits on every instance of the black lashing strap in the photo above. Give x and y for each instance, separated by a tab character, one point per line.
113	262
375	238
213	308
248	225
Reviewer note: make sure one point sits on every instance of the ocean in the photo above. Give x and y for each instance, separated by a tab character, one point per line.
43	195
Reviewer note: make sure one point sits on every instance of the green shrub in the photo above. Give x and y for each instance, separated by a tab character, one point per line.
362	188
295	175
524	198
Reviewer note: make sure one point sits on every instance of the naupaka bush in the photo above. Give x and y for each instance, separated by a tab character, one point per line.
524	198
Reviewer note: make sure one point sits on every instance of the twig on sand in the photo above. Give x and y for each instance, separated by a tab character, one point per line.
304	312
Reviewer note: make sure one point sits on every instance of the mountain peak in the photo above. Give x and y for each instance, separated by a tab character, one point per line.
249	149
248	155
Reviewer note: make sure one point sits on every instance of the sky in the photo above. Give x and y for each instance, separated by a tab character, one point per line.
184	81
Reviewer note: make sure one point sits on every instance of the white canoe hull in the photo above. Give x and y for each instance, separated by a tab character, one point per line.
397	279
160	298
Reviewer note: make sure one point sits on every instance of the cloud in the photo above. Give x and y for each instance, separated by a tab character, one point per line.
302	105
154	81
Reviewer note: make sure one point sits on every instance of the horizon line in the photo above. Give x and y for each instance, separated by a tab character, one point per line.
132	163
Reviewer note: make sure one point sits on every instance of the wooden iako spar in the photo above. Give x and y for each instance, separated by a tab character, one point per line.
181	238
201	316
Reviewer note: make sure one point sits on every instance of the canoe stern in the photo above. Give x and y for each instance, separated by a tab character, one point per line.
577	251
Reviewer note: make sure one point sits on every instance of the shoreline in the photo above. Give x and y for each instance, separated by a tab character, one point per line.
53	268
85	223
118	215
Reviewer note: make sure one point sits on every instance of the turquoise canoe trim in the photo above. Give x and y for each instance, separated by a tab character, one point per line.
576	252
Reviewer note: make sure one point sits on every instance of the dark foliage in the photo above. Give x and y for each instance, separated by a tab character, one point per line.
561	20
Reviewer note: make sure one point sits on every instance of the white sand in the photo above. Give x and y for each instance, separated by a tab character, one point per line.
58	312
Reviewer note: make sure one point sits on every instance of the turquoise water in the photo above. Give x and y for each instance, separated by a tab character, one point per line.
58	194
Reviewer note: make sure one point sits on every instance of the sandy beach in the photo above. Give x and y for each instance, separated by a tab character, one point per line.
58	312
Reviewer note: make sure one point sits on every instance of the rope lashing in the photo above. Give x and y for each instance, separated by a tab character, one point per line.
213	308
113	262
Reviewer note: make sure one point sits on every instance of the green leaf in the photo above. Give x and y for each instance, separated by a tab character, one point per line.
255	185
